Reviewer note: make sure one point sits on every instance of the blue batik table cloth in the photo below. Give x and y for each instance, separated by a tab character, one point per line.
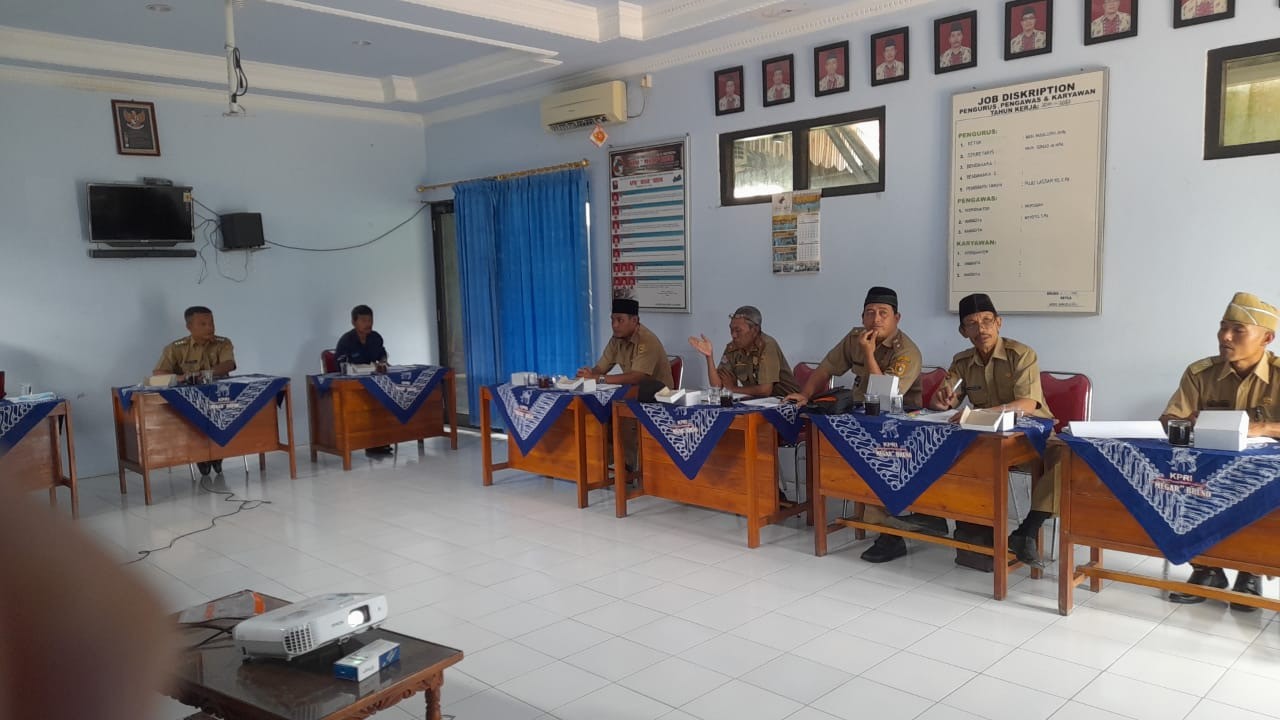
401	390
528	412
689	434
899	458
1187	499
19	418
221	408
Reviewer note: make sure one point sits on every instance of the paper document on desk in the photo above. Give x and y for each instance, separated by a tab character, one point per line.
763	402
1254	442
1118	429
933	416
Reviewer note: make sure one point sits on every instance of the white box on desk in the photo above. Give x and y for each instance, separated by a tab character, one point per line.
588	385
986	420
1222	430
884	386
520	379
670	397
570	384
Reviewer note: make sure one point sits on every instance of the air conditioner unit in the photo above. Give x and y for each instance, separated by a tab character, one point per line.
583	108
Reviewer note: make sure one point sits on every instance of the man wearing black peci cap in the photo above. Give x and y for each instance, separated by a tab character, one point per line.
634	348
1004	373
877	347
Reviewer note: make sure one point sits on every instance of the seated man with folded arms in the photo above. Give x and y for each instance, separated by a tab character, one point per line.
752	363
1244	375
362	345
201	350
877	347
634	348
1003	373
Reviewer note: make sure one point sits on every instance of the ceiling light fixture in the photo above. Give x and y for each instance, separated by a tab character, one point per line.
159	7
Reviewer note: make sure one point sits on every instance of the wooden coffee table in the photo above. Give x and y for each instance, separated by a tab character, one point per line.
215	678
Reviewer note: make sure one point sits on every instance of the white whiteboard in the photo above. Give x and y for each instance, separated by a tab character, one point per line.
1027	172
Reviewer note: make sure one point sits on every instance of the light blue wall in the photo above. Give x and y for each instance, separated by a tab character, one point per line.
78	326
1181	234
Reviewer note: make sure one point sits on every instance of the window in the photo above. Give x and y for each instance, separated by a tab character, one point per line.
1242	103
838	154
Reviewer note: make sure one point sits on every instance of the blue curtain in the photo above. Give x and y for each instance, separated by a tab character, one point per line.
475	205
522	245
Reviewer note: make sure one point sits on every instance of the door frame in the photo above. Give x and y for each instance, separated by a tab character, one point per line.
443	207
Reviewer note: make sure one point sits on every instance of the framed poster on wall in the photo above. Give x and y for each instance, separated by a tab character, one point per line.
1027	188
649	224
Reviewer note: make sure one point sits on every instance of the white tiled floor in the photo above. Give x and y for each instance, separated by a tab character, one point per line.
577	615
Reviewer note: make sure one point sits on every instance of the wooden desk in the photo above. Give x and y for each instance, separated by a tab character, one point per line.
216	679
1092	516
35	463
574	448
346	418
966	492
150	435
739	477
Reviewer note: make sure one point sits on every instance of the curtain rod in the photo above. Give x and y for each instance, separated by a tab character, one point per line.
507	176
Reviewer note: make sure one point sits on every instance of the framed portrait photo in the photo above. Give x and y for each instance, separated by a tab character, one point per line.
135	124
1194	12
728	90
778	75
1106	20
831	69
1028	28
890	56
955	42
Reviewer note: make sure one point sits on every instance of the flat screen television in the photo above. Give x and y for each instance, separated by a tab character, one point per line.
125	214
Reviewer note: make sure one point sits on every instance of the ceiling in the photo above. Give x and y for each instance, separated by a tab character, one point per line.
439	58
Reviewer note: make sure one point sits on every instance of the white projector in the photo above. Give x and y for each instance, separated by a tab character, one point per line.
299	628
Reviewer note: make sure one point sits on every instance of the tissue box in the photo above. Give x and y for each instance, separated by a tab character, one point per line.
986	420
669	396
519	379
367	661
884	386
1222	430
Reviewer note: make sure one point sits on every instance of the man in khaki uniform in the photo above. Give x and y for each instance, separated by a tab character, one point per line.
877	347
1004	373
634	348
201	350
752	363
1244	375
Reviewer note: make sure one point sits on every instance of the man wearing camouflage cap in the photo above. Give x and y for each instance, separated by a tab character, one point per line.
1244	375
752	363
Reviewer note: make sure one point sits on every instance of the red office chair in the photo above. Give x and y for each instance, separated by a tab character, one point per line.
803	370
930	378
1070	396
329	361
677	370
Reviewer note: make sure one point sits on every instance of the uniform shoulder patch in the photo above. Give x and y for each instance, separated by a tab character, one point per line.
179	343
899	366
1200	366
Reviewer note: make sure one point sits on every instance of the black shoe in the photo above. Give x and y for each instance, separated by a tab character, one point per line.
885	548
1205	576
217	466
1025	549
782	498
380	450
1246	583
203	467
930	524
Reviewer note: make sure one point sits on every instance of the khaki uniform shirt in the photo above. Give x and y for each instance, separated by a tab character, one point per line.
1211	384
761	364
1011	373
896	355
642	353
186	356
